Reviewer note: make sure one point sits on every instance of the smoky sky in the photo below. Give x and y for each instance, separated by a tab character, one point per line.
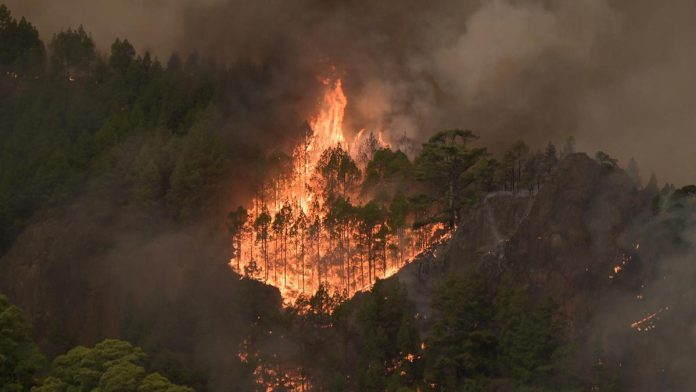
615	74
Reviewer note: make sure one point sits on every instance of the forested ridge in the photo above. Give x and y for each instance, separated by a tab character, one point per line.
180	143
74	120
124	124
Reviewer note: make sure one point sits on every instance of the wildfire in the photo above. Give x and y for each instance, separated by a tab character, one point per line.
272	377
647	323
623	261
288	238
328	124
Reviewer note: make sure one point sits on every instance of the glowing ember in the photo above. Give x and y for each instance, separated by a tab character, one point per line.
647	323
291	237
273	377
625	259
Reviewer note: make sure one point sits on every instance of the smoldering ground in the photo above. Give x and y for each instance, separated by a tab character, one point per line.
644	328
616	74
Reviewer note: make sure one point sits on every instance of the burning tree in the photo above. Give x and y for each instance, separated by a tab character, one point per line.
317	220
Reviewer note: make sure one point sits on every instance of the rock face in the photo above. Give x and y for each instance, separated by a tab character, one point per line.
571	240
620	269
563	241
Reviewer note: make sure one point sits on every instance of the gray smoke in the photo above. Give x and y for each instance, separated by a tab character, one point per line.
616	74
655	353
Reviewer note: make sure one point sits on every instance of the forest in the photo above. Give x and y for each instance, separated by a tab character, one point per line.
364	220
173	143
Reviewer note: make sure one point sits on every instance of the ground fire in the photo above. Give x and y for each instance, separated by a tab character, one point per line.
301	231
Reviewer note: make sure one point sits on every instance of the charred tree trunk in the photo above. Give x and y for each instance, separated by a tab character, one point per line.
302	260
285	260
275	259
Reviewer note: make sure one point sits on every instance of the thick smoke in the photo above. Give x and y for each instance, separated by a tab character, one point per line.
153	25
602	71
657	353
613	73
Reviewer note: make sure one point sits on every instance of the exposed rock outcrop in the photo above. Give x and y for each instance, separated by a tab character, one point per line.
562	241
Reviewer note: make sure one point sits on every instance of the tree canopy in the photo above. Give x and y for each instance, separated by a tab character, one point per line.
20	357
110	366
22	53
445	161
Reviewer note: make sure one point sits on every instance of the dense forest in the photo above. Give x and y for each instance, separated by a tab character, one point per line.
75	120
155	140
490	335
149	133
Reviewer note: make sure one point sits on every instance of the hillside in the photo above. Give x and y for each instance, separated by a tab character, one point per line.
561	242
280	197
614	257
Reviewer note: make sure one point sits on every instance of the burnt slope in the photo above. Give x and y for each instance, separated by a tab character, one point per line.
566	242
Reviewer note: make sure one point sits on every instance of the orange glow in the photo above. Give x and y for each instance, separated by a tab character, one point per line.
286	242
328	124
272	376
647	323
623	261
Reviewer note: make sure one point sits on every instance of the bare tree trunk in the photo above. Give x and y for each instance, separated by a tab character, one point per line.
238	253
348	263
319	257
264	249
369	257
384	255
451	203
362	271
275	259
301	257
285	260
251	246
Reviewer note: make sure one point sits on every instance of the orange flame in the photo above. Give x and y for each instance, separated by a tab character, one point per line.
328	124
289	260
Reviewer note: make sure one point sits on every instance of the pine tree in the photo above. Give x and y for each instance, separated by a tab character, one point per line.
236	226
443	163
462	345
262	224
20	357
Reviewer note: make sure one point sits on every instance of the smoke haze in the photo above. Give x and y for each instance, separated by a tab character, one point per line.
615	74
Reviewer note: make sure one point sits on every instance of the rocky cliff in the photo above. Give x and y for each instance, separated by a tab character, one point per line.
620	268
